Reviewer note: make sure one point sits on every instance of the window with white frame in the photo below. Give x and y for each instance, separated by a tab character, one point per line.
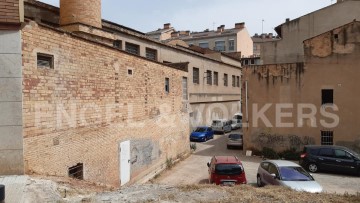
204	45
231	45
219	46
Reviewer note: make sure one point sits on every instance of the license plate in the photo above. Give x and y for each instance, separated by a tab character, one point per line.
228	183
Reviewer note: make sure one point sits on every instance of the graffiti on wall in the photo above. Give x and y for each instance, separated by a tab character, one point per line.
277	141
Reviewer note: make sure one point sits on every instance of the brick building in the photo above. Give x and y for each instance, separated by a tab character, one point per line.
96	100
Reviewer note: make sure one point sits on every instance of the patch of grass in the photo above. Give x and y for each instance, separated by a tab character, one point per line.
193	146
169	163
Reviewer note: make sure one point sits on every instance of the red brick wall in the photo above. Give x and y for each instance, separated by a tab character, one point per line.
90	75
9	11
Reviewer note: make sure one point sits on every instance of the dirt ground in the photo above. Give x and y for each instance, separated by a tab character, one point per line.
187	181
194	169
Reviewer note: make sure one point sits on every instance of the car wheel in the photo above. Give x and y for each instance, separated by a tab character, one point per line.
258	181
313	168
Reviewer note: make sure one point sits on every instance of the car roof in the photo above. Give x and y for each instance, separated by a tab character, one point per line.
226	159
281	163
326	146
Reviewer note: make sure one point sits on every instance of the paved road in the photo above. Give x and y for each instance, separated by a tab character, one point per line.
194	170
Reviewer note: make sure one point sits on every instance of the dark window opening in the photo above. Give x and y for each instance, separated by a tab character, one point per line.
77	171
167	85
151	54
209	77
233	81
252	61
327	137
132	48
327	96
196	77
117	44
45	61
216	78
130	72
238	81
225	79
336	36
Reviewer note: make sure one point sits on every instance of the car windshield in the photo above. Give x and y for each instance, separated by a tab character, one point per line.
201	130
228	169
216	123
235	136
354	153
294	174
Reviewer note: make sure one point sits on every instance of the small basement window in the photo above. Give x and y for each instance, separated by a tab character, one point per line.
130	72
45	61
77	171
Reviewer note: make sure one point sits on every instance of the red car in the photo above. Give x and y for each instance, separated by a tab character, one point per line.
226	170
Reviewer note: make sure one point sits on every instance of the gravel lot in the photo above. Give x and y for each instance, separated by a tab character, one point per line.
193	170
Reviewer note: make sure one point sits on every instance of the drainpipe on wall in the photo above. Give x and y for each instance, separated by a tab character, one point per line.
247	105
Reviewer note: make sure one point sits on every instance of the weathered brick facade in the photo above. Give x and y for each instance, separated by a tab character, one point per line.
10	12
82	109
75	11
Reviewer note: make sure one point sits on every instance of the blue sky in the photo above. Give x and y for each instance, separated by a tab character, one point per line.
198	15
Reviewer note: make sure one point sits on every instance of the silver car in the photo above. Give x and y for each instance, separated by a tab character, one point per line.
286	173
235	140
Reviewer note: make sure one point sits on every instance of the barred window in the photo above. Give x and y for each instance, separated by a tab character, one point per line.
132	48
233	80
151	54
327	137
117	44
209	77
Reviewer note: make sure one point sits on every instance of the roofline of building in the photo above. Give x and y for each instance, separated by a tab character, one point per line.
134	33
74	35
278	28
208	37
347	24
144	37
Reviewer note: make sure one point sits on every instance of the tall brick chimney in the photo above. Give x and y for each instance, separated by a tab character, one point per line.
80	11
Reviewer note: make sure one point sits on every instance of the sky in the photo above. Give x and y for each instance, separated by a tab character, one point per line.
198	15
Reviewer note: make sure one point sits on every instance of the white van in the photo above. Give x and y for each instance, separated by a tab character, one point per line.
237	121
221	125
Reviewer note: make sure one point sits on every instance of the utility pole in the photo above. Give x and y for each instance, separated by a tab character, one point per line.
262	26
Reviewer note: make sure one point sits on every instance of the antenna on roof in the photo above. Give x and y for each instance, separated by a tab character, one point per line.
214	25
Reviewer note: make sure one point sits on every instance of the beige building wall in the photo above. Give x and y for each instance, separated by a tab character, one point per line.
244	43
331	63
290	48
83	108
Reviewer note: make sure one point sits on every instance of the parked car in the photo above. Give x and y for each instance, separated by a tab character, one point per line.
226	170
330	158
236	121
202	134
221	125
288	174
235	140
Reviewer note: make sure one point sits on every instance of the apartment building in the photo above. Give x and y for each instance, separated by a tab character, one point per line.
235	39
